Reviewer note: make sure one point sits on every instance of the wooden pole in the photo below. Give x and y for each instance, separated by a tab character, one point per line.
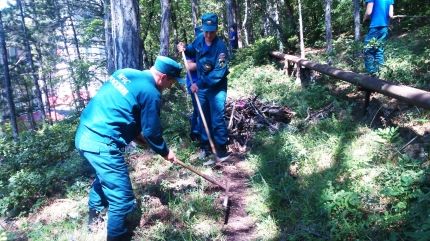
405	93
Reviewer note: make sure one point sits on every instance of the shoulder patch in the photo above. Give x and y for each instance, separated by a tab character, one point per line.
221	59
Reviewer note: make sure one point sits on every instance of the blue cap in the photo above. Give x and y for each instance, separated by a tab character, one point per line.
210	22
169	67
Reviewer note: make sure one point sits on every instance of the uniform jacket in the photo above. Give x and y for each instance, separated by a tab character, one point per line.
212	62
126	105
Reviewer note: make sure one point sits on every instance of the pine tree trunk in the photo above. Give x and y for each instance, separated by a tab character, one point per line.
44	87
7	83
194	11
39	57
302	43
164	31
328	30
77	101
29	56
357	24
246	23
110	64
78	53
238	23
175	24
125	34
230	12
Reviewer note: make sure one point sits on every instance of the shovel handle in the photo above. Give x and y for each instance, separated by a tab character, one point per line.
208	178
202	115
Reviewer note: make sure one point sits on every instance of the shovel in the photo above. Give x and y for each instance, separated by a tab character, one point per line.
210	179
217	159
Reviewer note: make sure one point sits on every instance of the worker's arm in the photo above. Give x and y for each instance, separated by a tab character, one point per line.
368	12
191	65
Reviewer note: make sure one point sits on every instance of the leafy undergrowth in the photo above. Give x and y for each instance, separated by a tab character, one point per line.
331	174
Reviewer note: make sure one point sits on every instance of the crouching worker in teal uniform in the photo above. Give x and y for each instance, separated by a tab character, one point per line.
211	87
126	108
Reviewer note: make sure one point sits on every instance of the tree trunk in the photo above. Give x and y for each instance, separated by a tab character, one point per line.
175	24
75	38
357	24
110	64
7	83
29	110
44	87
328	31
39	57
238	23
33	69
302	43
77	101
246	24
125	34
299	80
232	28
78	53
274	17
164	31
194	11
145	32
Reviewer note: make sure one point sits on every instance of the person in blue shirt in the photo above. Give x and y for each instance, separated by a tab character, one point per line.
126	108
194	118
379	12
212	59
233	37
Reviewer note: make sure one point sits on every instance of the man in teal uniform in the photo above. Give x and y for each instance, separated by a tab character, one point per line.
212	69
379	12
126	108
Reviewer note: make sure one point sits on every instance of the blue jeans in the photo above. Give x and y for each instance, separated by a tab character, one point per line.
112	186
374	48
213	105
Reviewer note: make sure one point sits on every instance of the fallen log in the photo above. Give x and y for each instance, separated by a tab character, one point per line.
405	93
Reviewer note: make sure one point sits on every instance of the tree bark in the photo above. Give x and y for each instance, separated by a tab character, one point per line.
357	24
194	12
125	34
164	31
328	30
230	13
175	24
246	24
110	64
238	23
7	83
77	101
302	43
38	93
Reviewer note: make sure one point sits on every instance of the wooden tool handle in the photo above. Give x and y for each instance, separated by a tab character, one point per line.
208	178
202	115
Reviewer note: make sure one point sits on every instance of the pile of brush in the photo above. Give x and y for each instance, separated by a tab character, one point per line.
247	115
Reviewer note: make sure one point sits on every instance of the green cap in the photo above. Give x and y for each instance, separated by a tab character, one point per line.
168	66
209	22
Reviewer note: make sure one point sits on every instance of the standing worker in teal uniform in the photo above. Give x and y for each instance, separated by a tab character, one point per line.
212	69
126	108
379	12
